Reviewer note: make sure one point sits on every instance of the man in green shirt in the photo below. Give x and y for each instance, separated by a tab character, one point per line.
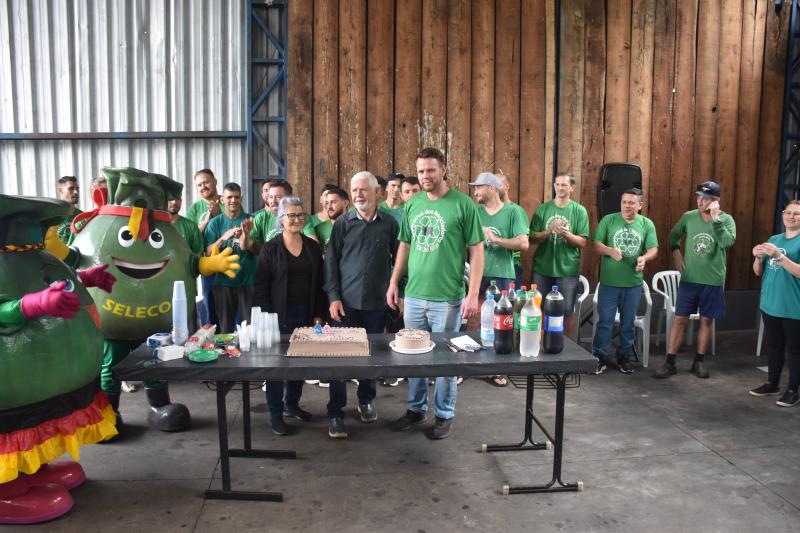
68	191
516	254
560	228
504	231
625	241
394	203
439	226
336	204
232	228
709	233
409	188
264	223
201	213
185	227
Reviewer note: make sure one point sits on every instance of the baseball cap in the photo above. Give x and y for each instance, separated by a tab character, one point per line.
487	178
708	188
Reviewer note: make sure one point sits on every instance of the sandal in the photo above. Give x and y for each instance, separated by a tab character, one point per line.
459	380
498	381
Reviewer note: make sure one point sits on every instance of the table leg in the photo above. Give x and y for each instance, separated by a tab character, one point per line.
223	387
527	437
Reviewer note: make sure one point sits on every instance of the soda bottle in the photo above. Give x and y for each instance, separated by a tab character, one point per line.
522	296
530	324
487	321
537	296
493	290
553	312
503	325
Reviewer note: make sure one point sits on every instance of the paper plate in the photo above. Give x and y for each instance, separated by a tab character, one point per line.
411	351
203	356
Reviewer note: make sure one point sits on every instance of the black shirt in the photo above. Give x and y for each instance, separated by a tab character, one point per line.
297	290
359	260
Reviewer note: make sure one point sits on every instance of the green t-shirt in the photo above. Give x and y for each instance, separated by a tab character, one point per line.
438	233
64	233
517	254
556	257
396	212
264	227
191	233
780	291
198	209
633	239
246	275
706	245
321	229
507	223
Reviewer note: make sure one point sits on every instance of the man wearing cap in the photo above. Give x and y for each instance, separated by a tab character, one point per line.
626	241
394	203
709	233
504	197
504	230
438	227
560	228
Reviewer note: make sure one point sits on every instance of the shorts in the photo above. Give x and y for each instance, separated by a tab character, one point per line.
502	284
567	286
710	299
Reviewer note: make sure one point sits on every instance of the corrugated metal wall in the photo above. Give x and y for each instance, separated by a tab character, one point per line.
81	68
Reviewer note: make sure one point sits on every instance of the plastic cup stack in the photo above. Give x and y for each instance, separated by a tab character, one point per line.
180	329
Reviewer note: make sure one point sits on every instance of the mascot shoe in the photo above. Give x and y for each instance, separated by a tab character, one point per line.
21	503
68	474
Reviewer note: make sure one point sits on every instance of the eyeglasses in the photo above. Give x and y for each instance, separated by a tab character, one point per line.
295	216
792	213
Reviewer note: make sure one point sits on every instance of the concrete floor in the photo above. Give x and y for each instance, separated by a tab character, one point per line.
669	456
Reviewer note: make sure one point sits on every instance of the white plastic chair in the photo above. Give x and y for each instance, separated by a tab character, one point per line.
641	324
666	284
579	305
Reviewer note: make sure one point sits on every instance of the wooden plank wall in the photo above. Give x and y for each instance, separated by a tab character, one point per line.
687	89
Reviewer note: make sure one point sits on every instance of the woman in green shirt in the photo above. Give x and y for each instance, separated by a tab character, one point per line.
778	262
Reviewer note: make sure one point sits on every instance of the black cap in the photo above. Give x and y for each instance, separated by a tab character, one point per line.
708	188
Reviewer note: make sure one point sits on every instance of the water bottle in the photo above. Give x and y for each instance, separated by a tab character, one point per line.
553	311
493	290
180	331
503	325
530	326
522	297
487	321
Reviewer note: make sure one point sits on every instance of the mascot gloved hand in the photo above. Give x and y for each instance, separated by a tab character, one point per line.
50	354
131	232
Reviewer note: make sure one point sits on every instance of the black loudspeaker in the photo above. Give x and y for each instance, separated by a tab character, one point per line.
615	178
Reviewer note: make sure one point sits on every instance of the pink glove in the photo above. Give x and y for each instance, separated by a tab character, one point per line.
97	277
53	301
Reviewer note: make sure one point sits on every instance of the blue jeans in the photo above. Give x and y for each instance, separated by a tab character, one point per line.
609	299
295	318
209	314
374	321
434	317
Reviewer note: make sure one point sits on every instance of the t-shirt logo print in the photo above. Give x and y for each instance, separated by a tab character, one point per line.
702	243
773	263
628	241
555	238
428	230
496	232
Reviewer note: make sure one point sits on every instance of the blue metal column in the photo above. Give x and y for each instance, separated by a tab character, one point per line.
789	177
267	35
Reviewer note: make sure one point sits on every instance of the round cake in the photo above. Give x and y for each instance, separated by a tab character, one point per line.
412	339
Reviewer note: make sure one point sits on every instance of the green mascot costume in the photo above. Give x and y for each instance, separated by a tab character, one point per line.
130	230
51	348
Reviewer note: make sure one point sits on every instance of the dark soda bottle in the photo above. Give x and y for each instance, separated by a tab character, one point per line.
553	311
503	325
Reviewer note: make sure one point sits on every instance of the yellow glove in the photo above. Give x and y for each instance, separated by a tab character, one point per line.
220	262
53	244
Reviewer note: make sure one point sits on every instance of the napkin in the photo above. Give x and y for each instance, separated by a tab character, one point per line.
465	342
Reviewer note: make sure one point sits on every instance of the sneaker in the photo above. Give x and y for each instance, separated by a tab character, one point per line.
699	370
667	369
279	427
367	413
298	413
601	367
130	386
324	384
336	428
788	399
442	428
391	382
354	381
312	381
765	390
625	366
411	418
